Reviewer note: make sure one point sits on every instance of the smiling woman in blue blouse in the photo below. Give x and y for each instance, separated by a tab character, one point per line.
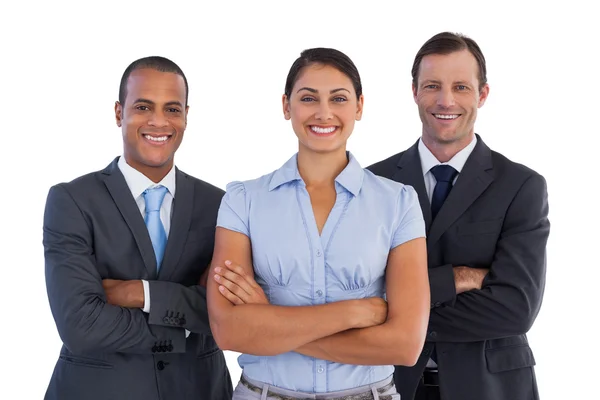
326	241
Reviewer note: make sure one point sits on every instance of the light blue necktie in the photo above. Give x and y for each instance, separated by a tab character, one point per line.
154	198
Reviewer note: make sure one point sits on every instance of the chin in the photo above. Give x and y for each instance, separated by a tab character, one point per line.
447	137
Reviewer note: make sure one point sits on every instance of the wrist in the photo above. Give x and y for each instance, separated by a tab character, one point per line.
462	279
136	293
355	312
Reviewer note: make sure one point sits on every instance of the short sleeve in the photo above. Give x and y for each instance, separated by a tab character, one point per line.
233	212
410	223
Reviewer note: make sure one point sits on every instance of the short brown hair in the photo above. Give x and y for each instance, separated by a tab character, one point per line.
446	43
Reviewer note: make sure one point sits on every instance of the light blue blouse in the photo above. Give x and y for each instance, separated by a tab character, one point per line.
296	266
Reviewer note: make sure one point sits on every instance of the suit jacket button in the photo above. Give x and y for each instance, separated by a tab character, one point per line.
166	320
426	352
160	365
170	347
176	321
154	349
171	320
433	334
182	321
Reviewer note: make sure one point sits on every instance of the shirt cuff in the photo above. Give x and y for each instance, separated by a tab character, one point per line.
187	333
146	308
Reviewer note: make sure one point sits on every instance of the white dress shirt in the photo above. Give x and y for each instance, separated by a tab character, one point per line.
138	183
429	161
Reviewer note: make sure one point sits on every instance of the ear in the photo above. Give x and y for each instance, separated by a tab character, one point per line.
187	108
286	107
118	113
483	95
359	107
414	90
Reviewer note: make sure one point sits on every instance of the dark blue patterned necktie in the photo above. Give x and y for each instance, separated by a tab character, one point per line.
444	175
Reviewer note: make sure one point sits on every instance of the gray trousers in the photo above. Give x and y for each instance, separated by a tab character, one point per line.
243	393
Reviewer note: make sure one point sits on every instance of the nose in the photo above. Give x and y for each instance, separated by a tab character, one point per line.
324	111
445	98
158	119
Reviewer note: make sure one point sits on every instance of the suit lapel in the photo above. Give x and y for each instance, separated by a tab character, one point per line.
121	194
471	183
183	205
410	172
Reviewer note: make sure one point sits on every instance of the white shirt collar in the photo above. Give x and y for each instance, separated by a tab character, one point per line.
139	182
457	162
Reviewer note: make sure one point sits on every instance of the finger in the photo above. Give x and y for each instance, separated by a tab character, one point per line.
230	296
232	287
249	279
236	278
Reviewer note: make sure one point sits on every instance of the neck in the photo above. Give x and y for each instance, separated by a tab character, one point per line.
155	174
317	169
444	151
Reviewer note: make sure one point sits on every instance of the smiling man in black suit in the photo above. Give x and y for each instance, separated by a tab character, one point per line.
487	229
125	249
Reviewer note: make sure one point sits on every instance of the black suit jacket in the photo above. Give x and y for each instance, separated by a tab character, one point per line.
494	217
93	230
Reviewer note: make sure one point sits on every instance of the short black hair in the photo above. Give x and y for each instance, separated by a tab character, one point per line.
325	56
157	63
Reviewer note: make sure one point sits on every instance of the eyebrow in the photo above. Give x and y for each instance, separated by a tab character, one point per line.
316	91
429	81
170	103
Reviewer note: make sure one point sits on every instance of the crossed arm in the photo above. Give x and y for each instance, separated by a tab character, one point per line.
85	320
95	314
510	296
351	332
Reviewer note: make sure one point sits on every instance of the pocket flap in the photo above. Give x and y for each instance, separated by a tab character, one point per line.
508	358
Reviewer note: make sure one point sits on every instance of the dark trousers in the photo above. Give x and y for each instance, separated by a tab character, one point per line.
428	388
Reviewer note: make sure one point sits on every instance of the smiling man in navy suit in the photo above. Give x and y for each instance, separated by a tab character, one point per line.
125	248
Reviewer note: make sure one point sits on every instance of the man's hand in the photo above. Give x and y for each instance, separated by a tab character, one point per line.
128	294
237	286
466	278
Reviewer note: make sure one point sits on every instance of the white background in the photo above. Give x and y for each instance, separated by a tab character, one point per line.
60	69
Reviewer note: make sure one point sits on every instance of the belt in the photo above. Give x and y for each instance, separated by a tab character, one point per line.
430	377
361	396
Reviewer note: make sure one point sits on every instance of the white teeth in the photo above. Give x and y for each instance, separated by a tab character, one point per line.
156	139
317	129
446	116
